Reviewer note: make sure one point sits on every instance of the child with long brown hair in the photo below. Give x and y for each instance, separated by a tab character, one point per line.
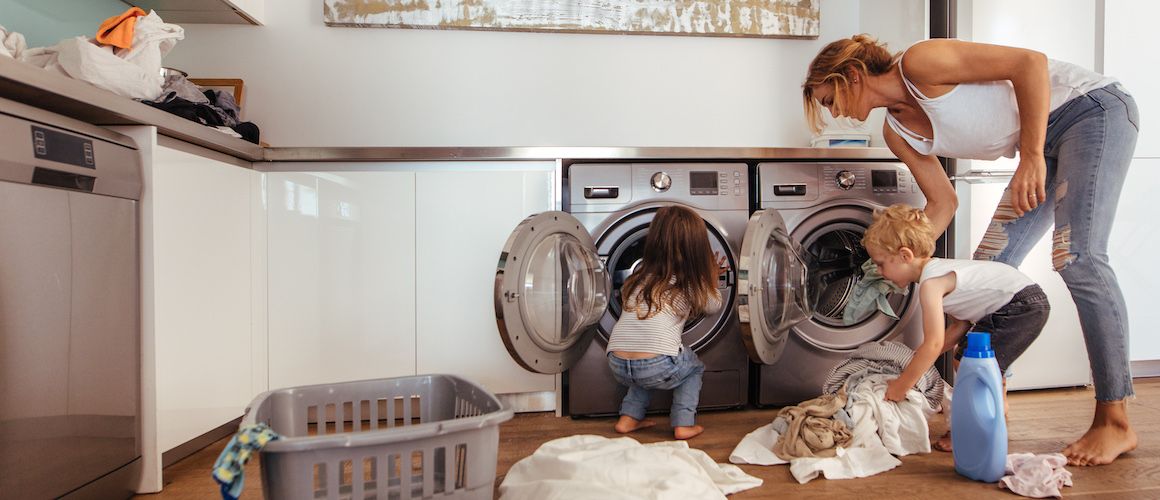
676	280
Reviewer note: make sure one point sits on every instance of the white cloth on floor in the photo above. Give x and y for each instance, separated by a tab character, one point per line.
587	466
900	427
1036	476
882	429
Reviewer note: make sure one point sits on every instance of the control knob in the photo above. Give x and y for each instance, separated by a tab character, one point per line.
846	179
660	182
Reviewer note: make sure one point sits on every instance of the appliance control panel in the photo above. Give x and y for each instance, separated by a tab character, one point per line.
887	179
722	186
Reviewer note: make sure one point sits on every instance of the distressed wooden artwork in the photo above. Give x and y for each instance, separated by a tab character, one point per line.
736	18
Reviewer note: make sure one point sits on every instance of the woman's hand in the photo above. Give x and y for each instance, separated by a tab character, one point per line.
1027	187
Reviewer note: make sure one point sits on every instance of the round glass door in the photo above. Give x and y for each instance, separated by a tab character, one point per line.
550	290
832	244
773	289
622	247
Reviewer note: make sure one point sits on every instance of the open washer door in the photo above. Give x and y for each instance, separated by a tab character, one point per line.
772	286
550	290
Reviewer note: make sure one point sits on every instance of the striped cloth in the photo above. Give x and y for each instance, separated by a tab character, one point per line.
883	357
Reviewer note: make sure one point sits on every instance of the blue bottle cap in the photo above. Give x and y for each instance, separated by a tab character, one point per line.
979	345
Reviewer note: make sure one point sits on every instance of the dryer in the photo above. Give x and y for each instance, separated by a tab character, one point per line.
826	208
559	275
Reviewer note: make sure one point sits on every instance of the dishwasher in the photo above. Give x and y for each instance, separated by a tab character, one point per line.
70	369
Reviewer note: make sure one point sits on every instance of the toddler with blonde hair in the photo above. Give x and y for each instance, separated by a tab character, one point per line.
985	295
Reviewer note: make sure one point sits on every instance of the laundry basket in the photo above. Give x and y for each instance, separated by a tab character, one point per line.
394	438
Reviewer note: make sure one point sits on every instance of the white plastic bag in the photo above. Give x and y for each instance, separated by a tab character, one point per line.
134	72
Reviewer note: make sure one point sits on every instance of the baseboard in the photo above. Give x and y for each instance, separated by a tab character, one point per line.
196	444
1146	368
523	402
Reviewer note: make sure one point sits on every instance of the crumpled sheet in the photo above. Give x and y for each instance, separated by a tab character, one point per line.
870	293
811	429
882	429
134	72
588	466
1036	476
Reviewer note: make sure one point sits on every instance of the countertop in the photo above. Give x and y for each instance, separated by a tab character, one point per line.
77	99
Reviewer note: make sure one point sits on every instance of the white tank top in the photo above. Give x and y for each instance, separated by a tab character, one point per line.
981	286
980	121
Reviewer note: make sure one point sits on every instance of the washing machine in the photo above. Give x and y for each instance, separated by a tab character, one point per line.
559	275
824	208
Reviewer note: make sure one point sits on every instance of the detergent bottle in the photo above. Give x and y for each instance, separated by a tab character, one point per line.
978	427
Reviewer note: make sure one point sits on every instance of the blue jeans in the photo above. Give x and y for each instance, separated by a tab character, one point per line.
1089	146
681	373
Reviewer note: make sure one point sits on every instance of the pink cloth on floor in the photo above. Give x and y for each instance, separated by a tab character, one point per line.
1036	476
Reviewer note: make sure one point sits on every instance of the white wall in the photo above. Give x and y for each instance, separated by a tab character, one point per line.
312	85
1070	30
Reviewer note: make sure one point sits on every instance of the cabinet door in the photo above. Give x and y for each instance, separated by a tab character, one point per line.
341	276
201	268
1132	251
1128	31
463	218
1058	358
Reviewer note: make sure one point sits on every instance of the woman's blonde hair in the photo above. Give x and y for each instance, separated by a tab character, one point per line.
678	267
833	65
900	226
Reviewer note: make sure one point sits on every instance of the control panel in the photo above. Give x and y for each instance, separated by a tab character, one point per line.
886	180
703	185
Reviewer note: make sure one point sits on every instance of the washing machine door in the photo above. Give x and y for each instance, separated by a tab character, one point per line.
772	286
550	290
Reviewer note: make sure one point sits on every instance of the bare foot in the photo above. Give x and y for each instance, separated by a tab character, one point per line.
687	432
628	424
1109	436
943	443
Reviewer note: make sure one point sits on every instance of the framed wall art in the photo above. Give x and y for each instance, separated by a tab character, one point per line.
735	18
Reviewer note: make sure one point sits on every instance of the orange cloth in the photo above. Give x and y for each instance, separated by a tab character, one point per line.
118	30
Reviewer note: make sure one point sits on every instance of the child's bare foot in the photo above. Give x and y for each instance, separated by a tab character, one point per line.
687	432
943	443
628	424
1109	436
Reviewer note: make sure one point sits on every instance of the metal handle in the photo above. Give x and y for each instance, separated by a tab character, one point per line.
983	177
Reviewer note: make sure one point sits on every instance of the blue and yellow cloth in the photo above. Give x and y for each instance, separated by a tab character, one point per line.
229	469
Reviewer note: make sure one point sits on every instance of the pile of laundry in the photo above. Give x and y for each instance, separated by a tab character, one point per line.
125	58
587	466
851	430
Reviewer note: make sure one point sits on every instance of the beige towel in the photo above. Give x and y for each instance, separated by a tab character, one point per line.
812	430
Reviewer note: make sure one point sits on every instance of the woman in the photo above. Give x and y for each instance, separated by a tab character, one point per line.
1075	132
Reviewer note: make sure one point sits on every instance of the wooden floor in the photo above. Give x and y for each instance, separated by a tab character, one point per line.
1040	422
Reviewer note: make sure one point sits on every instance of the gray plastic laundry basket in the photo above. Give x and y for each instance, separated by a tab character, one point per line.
397	438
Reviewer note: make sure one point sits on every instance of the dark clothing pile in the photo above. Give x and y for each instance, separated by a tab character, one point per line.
212	108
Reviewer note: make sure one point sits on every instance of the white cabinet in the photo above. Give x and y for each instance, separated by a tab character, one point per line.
463	218
202	291
206	11
1132	251
1128	33
341	276
1058	358
390	272
203	285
